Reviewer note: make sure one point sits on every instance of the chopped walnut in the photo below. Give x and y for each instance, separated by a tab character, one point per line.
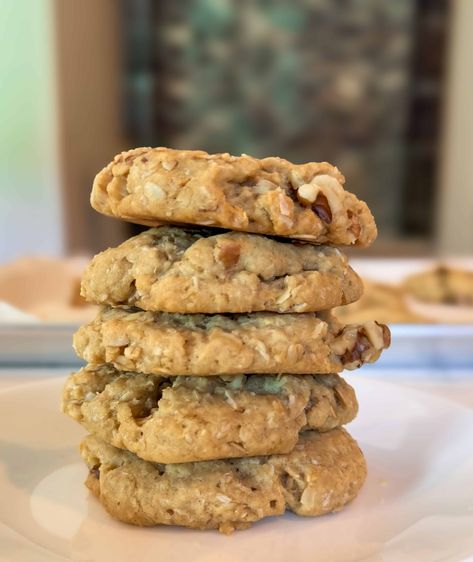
378	334
355	354
356	345
386	335
322	208
323	194
229	253
307	193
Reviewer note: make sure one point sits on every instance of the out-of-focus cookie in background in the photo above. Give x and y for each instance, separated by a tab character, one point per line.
381	302
437	293
45	289
443	294
442	285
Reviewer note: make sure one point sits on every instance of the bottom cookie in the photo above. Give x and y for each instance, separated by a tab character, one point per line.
321	474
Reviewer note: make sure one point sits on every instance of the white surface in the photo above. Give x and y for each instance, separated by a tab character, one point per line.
444	313
417	503
393	271
9	314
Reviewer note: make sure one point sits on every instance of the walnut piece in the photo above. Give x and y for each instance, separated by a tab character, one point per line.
357	345
322	208
355	354
228	254
323	194
307	193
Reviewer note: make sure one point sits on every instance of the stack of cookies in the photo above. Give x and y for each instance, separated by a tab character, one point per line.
211	392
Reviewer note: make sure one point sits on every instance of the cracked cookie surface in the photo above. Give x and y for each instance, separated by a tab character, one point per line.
272	196
321	474
176	270
183	419
204	345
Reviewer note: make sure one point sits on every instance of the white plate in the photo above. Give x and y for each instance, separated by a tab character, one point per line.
417	504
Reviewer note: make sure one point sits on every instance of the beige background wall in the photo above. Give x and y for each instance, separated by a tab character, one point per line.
88	67
455	203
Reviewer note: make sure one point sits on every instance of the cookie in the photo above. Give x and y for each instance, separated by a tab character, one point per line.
183	419
198	344
321	474
175	270
272	196
442	285
380	302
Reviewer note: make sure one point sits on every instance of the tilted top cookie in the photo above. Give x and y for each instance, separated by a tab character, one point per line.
269	196
173	270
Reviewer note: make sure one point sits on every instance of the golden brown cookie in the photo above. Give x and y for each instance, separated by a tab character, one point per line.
380	302
176	270
198	344
321	474
183	419
442	285
271	196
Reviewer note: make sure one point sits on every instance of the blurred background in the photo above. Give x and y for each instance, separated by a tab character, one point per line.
381	89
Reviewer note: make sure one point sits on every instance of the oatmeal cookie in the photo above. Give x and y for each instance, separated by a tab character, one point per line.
272	196
442	285
183	419
380	302
321	474
175	270
198	344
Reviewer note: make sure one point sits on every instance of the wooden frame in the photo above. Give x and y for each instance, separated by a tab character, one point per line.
89	114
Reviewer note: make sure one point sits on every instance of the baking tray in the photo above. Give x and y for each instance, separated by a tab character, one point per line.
37	345
428	346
